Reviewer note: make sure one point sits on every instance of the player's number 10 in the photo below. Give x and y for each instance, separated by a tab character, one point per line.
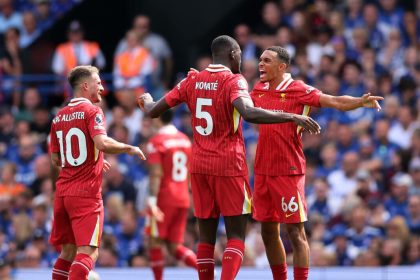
68	154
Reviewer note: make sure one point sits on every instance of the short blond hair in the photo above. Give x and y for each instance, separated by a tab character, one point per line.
81	72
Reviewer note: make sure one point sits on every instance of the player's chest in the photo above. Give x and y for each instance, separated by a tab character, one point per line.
277	101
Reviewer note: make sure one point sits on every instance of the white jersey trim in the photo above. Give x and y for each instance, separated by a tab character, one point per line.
217	68
287	80
79	100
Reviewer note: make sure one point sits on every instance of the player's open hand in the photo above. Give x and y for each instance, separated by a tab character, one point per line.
157	213
144	98
135	151
308	124
371	101
106	166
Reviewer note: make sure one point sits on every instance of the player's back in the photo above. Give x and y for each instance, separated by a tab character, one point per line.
172	150
72	133
217	129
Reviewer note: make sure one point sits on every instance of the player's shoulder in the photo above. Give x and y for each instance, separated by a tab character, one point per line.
300	86
238	81
260	86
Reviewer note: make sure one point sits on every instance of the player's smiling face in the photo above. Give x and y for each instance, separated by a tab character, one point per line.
95	88
269	66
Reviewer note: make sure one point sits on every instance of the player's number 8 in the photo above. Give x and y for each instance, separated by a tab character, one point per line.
179	169
292	207
199	114
68	154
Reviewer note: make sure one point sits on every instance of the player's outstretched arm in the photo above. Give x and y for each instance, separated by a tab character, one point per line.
155	177
246	108
347	103
110	146
150	108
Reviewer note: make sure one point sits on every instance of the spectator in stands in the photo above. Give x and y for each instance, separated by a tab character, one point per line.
413	219
412	251
42	170
264	34
319	202
134	66
402	130
117	183
391	252
344	251
11	65
345	140
9	188
108	257
283	38
392	54
360	233
242	34
31	99
397	204
9	18
320	46
414	170
391	14
159	48
411	32
129	236
5	269
43	13
114	209
28	149
30	30
76	51
376	30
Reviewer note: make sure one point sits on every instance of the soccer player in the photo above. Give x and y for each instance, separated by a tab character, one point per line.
78	141
169	152
217	98
280	163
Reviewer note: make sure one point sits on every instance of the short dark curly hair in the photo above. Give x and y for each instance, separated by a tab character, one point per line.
282	53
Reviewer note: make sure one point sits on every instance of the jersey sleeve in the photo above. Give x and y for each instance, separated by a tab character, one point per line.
309	95
96	122
238	88
178	94
153	155
53	143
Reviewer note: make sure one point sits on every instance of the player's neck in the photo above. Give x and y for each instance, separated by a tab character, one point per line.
273	84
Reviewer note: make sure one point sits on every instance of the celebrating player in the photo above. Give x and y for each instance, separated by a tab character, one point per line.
280	163
218	97
169	152
78	140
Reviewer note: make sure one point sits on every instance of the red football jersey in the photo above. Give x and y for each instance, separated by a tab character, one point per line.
172	150
279	150
218	147
72	133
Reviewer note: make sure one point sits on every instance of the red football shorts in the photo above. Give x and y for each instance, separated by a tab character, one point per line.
220	195
172	228
77	220
279	199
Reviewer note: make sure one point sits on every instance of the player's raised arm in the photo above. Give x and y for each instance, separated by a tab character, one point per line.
347	103
253	114
111	146
150	108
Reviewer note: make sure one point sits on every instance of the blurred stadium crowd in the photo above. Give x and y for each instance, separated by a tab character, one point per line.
363	175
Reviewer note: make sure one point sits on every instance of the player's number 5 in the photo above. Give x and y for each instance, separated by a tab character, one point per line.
199	114
67	155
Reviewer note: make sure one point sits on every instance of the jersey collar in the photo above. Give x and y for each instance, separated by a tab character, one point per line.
287	80
168	129
79	100
217	68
